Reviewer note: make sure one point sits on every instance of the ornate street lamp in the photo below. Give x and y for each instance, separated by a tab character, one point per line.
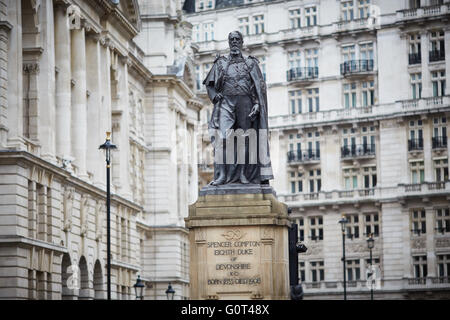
343	221
108	146
370	245
139	288
170	293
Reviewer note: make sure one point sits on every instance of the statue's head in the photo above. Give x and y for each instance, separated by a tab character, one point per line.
235	41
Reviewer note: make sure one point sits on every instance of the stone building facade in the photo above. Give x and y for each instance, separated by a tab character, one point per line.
359	110
72	70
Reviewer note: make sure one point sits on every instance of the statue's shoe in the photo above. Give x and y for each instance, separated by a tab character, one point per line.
219	181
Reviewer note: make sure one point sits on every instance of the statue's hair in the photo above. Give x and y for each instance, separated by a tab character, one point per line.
238	32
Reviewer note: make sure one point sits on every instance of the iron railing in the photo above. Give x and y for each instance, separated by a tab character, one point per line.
358	150
303	155
415	144
415	58
307	73
439	142
356	66
437	55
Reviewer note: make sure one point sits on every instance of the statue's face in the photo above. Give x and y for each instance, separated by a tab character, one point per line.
235	42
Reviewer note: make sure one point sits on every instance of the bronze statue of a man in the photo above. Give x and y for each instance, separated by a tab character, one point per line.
237	89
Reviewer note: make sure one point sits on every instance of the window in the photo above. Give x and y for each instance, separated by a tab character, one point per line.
347	10
301	229
415	52
296	179
436	2
311	58
301	270
316	228
311	16
418	222
443	220
420	266
415	135
368	94
349	142
364	8
200	5
244	26
262	65
414	4
371	224
441	170
314	179
317	271
258	24
294	59
294	18
370	177
294	64
443	264
416	85
353	270
313	100
198	78
295	101
438	82
196	31
208	31
350	95
204	5
351	178
417	172
352	226
348	53
439	139
437	46
366	51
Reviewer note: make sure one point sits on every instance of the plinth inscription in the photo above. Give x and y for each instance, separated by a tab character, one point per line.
233	258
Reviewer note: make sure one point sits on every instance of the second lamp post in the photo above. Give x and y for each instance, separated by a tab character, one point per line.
108	146
343	221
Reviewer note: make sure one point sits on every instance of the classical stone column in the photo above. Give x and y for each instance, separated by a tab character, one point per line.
447	60
425	47
5	27
94	106
63	82
79	110
427	149
431	256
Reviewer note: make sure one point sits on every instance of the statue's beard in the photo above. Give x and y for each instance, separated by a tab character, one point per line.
235	50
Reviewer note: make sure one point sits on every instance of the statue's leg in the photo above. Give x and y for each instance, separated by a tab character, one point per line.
220	177
248	172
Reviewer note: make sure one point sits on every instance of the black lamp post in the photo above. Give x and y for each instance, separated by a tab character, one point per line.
139	288
370	245
108	146
170	292
343	221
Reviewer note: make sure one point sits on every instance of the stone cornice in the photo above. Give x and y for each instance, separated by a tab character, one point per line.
24	158
112	11
28	242
178	84
140	69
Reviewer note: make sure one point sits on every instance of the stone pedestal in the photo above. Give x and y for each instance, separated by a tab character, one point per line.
238	244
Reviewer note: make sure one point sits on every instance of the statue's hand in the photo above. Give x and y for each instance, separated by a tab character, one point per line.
254	113
218	97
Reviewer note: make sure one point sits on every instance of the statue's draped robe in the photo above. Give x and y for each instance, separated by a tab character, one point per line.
241	83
